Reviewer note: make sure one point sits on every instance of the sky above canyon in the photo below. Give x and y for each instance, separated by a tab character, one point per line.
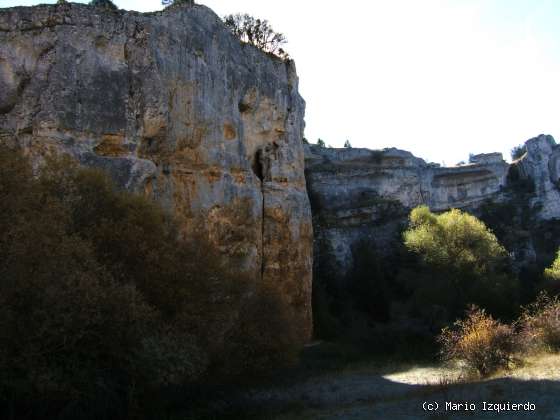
441	79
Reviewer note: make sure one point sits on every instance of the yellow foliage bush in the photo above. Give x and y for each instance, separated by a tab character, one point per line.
482	343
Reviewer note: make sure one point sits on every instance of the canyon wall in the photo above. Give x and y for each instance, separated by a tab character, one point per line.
173	106
364	196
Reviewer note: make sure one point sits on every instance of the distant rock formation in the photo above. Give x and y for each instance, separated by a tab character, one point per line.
172	105
541	164
365	195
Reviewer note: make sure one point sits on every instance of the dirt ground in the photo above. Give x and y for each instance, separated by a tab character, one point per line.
418	392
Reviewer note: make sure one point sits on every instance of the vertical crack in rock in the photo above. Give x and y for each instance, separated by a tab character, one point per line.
263	220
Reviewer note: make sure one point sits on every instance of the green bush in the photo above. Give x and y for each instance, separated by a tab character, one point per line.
550	279
553	272
483	344
453	238
460	262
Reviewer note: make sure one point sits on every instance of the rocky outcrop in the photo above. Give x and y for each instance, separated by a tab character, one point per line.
541	165
361	195
175	107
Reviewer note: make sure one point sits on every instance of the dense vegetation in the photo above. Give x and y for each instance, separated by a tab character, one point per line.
453	284
103	308
438	265
461	263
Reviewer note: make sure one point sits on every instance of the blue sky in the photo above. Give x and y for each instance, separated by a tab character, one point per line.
441	78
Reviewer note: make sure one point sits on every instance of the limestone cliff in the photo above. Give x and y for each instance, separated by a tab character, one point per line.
173	106
541	164
361	195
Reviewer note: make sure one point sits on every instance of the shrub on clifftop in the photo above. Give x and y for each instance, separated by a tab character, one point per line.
518	151
170	2
257	32
107	4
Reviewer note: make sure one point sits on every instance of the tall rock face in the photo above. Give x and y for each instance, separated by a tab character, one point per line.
361	196
173	106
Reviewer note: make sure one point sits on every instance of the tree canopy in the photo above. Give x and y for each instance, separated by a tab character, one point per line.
461	261
553	272
453	239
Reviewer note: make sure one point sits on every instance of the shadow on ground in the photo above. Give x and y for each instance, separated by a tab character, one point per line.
345	387
375	397
412	403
